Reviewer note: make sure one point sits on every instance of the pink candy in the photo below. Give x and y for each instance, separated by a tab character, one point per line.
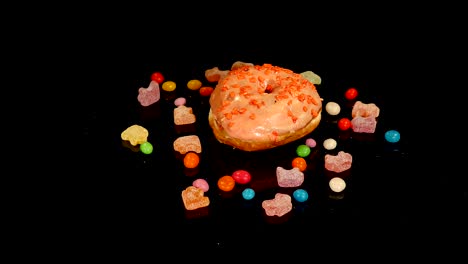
180	101
311	142
279	206
202	184
364	124
339	163
289	178
150	95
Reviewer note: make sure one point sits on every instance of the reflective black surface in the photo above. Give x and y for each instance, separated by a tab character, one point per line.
130	196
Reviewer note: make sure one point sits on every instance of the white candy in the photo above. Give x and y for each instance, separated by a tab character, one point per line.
332	108
337	184
312	77
329	144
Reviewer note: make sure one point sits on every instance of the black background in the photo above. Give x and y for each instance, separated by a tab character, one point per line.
130	200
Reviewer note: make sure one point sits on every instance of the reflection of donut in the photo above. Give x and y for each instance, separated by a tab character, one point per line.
261	107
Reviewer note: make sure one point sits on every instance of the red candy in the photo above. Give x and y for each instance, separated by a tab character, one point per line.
344	124
241	176
351	93
157	77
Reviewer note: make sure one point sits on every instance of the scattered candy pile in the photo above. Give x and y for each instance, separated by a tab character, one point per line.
363	120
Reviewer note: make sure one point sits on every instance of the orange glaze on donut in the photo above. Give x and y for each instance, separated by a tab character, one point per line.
259	103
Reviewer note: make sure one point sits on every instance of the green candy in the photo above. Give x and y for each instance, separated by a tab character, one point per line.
146	148
303	150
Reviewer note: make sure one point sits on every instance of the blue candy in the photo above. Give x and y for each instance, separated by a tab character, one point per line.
248	193
392	136
301	195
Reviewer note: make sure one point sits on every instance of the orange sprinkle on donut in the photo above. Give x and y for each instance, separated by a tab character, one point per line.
314	112
301	97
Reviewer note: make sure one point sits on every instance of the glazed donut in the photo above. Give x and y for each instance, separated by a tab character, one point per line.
258	107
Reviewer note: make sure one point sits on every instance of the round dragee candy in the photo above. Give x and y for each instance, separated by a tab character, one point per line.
180	101
157	77
248	193
337	184
351	93
241	176
344	124
194	84
329	143
146	148
301	195
303	150
169	86
311	142
332	108
202	184
392	136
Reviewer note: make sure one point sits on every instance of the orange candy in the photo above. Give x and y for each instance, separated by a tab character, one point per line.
226	183
299	163
206	91
191	160
193	198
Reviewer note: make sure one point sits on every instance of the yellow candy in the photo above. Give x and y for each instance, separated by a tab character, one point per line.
169	86
194	84
136	134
